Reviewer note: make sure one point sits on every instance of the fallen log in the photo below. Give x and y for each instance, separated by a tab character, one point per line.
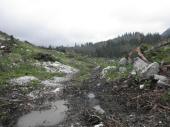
139	52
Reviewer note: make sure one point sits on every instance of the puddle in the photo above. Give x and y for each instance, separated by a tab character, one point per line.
91	95
46	117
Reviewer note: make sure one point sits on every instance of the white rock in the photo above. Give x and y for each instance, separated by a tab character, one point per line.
55	81
150	70
50	83
139	65
133	72
56	90
123	61
22	80
162	83
107	69
142	86
60	79
99	125
2	46
160	122
98	84
34	94
145	70
160	77
99	109
57	67
122	69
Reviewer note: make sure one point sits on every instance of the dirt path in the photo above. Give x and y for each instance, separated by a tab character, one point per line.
83	100
97	103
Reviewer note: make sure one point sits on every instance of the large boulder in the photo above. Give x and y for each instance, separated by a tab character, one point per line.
139	65
150	70
161	77
144	69
161	80
123	61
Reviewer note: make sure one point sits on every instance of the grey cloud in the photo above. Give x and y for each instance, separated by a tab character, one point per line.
63	24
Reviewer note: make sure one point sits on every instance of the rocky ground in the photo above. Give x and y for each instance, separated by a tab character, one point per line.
45	88
96	102
44	106
120	103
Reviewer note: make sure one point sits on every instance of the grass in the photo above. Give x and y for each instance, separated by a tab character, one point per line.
158	55
20	62
115	74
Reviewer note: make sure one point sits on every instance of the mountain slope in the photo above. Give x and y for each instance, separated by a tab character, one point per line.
119	46
166	33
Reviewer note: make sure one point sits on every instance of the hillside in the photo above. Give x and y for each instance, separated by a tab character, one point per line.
45	87
166	33
23	63
119	46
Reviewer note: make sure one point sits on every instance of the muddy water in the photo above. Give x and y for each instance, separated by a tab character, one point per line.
57	111
46	117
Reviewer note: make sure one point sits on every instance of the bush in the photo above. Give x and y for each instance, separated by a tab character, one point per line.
44	57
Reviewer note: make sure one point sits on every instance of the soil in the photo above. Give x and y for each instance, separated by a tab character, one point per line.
124	103
120	103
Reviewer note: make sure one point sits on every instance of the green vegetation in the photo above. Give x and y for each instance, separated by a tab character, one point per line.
116	47
158	55
20	61
113	75
44	57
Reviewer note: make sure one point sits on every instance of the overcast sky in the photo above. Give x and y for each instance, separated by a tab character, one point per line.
64	22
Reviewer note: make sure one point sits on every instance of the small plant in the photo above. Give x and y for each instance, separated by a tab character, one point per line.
44	57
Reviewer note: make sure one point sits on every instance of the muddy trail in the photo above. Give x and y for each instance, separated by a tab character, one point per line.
64	102
41	107
120	103
50	106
